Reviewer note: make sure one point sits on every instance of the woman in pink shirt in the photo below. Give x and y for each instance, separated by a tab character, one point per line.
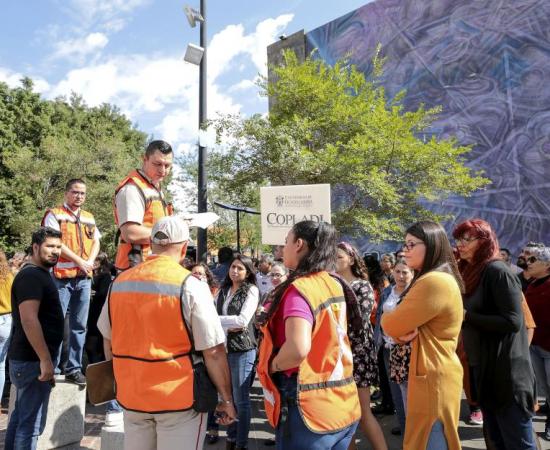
292	336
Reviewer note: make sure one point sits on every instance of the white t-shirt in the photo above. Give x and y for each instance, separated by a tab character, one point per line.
199	313
389	305
248	310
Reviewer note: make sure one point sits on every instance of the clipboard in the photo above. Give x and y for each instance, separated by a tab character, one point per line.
100	380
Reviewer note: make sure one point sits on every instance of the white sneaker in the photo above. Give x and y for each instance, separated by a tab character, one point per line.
113	418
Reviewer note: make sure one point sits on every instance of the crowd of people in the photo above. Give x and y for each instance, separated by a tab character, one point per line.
334	337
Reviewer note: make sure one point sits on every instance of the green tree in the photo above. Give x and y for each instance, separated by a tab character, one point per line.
45	143
331	124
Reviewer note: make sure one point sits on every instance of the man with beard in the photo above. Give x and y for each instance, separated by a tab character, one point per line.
524	276
37	333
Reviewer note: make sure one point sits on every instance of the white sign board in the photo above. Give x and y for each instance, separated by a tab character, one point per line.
283	206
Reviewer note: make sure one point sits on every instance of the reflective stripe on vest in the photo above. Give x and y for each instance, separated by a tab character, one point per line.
150	345
327	394
155	208
78	233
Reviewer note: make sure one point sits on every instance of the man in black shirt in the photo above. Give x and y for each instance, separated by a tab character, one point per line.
37	334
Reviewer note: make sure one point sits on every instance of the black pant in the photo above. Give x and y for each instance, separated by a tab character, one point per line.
387	401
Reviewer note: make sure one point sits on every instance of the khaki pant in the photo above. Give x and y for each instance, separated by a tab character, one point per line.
168	431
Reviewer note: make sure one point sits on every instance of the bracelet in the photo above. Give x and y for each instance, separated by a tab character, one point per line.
227	402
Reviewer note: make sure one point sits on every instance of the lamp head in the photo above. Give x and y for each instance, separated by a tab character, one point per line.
193	16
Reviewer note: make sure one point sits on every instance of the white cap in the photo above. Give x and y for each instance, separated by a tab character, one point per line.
170	230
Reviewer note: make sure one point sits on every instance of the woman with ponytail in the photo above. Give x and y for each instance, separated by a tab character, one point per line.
305	364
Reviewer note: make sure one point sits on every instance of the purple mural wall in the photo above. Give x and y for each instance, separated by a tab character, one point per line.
487	63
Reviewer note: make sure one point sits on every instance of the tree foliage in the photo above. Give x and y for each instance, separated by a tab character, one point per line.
45	143
331	124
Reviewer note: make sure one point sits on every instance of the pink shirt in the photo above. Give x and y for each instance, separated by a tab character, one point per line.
292	305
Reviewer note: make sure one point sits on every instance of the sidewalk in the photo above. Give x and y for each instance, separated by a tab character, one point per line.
471	436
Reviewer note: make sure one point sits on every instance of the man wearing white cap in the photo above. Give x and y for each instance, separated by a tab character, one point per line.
156	314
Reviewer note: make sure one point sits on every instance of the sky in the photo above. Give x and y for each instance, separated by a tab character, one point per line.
129	53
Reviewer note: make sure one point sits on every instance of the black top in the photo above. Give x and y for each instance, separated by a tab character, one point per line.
100	286
34	283
495	340
524	281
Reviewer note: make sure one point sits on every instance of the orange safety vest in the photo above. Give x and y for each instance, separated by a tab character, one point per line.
155	208
150	343
78	232
326	395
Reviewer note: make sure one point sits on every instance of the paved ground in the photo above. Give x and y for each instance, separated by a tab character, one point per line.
471	436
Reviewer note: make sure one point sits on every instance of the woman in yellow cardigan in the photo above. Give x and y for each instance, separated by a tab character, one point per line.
430	314
6	279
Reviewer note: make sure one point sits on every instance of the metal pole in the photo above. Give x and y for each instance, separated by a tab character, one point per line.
238	232
202	177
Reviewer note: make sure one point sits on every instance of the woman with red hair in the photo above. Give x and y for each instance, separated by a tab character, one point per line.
495	338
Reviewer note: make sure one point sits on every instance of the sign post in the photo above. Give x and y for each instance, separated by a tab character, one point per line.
283	206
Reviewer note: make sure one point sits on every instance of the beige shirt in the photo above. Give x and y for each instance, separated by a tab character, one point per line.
199	312
130	205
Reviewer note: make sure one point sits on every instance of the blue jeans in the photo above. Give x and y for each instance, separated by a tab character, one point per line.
5	331
509	429
74	295
437	439
541	364
398	400
112	406
241	366
295	435
28	418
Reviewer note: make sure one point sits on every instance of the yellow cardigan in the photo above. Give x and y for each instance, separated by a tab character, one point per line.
434	306
5	294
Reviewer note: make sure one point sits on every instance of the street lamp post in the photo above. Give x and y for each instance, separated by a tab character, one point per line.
202	177
193	55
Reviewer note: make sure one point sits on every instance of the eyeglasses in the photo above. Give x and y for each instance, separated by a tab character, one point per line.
276	275
531	260
465	240
408	246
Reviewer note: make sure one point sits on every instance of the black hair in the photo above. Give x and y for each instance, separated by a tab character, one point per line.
505	250
321	239
72	182
105	265
267	258
439	253
358	268
210	278
249	266
225	255
376	274
40	235
162	146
